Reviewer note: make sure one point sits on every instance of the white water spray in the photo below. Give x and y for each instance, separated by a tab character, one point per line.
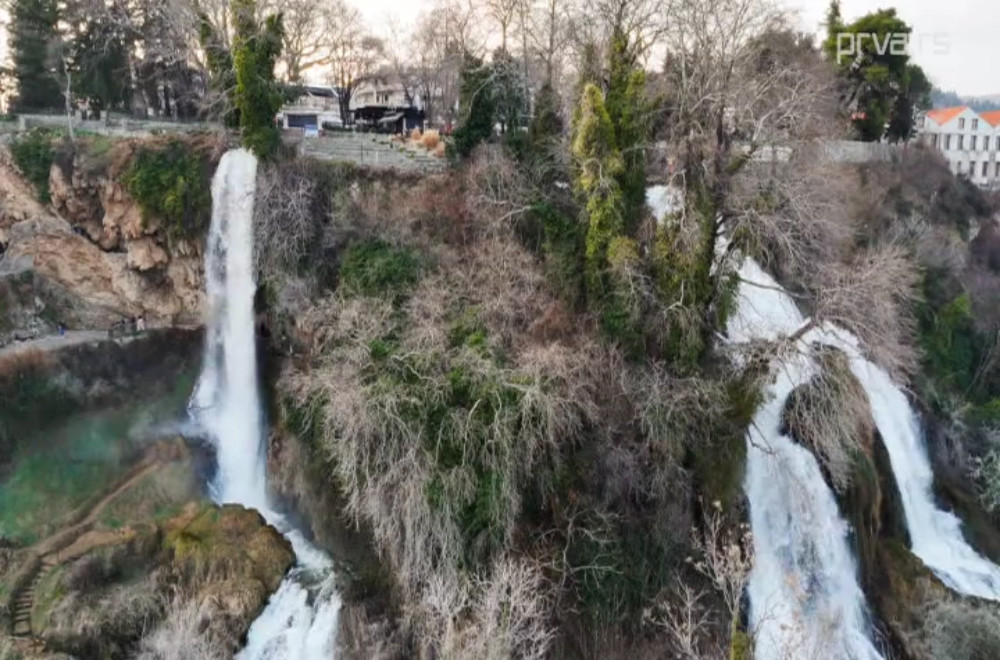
300	619
805	600
935	535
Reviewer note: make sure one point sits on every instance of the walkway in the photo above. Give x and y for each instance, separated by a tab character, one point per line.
70	543
52	342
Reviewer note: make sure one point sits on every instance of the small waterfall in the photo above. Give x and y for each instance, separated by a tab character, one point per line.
300	619
805	600
935	535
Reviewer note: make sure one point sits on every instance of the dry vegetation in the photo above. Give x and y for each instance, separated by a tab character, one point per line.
504	460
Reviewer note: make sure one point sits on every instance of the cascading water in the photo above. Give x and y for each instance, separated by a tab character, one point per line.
935	535
805	600
300	619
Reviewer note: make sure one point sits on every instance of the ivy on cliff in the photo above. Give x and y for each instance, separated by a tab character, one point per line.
171	182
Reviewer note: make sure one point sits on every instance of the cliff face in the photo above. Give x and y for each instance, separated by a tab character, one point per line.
92	255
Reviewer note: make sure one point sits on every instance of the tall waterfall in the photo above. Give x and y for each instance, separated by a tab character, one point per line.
805	600
300	620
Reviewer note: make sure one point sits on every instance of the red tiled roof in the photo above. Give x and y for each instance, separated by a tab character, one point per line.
942	116
992	118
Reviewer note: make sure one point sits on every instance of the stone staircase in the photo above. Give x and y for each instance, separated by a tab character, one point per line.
25	601
372	150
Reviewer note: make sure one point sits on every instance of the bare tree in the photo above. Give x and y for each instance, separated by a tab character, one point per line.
503	12
354	55
442	37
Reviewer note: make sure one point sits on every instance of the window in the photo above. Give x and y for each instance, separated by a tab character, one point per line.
961	142
972	168
947	142
972	144
986	169
998	144
934	140
998	170
975	124
961	123
958	167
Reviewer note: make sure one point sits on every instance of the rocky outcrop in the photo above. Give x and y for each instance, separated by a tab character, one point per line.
95	244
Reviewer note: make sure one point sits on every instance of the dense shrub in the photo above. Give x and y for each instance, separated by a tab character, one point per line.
171	182
375	268
34	154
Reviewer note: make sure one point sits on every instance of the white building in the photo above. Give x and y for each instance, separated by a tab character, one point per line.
315	107
380	89
970	141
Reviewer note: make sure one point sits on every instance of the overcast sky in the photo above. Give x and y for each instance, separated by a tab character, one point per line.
970	28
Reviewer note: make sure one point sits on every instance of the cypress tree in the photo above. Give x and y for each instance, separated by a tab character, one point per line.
33	29
258	97
599	165
629	112
477	106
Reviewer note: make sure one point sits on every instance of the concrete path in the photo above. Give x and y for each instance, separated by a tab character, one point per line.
51	342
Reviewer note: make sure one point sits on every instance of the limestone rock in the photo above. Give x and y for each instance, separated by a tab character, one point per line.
123	214
144	254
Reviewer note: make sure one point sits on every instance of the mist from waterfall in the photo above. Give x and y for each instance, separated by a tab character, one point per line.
300	619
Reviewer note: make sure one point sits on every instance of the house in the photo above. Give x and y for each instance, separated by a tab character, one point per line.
969	141
384	89
315	107
381	102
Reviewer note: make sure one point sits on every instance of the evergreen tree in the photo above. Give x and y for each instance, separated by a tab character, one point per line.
629	112
880	88
915	95
99	62
599	166
258	96
33	31
508	89
477	107
545	131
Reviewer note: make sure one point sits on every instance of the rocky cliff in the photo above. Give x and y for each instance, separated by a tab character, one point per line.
92	255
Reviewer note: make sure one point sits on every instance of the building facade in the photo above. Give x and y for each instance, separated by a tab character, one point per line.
969	141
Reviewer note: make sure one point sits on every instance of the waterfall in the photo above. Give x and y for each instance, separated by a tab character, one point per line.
805	600
935	535
300	619
794	518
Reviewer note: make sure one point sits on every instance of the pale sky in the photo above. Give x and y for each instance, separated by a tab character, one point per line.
970	28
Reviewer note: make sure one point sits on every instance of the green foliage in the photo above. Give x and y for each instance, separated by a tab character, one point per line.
99	62
598	164
34	154
477	104
376	268
545	133
470	416
508	91
885	87
562	245
33	29
258	96
170	182
629	112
